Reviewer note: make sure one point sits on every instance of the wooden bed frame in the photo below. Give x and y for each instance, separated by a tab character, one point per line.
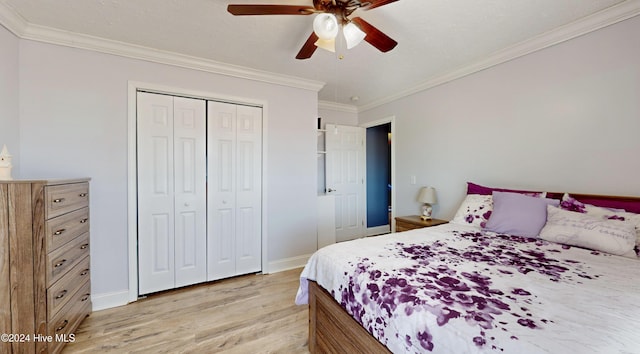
333	330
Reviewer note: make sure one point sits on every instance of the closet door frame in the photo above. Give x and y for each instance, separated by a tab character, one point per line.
133	88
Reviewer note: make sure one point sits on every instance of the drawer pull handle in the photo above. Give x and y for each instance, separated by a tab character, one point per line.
84	247
59	264
64	324
58	200
58	232
84	220
84	272
61	295
82	195
85	297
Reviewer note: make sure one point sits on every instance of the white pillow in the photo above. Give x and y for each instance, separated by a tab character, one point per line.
593	232
570	203
474	210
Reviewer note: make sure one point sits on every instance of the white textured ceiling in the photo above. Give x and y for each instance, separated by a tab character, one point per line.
435	37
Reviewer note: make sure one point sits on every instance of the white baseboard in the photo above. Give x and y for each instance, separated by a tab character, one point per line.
287	263
109	300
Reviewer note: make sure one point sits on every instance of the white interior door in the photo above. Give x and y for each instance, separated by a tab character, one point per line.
171	192
345	178
190	202
221	133
249	190
234	190
156	269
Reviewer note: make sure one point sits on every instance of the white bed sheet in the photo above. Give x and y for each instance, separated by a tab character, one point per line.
482	293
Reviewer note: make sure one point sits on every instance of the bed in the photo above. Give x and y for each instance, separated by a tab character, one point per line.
464	288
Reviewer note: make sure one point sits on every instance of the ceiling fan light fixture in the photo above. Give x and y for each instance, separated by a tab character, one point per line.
353	35
325	25
326	44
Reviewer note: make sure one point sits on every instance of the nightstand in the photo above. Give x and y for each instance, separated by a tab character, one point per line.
404	223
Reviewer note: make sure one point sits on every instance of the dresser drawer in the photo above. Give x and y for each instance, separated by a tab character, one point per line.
64	228
61	292
66	257
61	199
63	325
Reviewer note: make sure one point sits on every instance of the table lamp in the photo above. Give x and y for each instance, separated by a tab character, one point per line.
427	196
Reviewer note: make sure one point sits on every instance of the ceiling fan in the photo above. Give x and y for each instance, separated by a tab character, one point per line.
332	14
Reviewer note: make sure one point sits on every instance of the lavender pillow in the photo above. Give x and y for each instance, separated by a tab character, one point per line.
474	210
518	214
590	232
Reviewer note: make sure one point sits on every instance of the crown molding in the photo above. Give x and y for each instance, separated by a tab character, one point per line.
601	19
24	30
21	28
11	20
339	107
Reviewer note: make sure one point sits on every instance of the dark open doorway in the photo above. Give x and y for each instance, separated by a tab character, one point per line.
378	162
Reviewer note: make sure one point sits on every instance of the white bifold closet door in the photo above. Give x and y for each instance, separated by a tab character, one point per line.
234	150
172	225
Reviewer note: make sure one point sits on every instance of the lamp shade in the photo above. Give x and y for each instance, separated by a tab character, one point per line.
325	26
427	195
353	35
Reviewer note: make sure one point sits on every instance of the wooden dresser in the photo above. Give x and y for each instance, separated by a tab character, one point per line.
45	288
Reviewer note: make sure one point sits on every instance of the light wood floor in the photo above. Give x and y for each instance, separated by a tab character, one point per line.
248	314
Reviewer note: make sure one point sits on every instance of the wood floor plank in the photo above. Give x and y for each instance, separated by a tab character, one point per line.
248	314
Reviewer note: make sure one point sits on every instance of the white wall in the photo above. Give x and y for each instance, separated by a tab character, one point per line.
74	123
338	116
9	68
566	118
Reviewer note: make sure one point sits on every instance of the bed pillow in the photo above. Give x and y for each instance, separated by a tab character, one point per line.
630	205
474	210
572	204
592	232
518	214
473	188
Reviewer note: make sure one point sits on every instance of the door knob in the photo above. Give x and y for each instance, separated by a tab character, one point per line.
331	190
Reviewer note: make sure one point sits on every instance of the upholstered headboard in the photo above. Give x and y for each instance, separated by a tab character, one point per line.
628	203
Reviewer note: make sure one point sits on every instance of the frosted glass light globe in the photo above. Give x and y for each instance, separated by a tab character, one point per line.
353	35
326	26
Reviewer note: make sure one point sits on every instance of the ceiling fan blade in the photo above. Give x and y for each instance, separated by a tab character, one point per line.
375	37
378	3
308	48
245	10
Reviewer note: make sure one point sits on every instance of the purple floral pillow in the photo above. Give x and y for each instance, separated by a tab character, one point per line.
475	210
571	204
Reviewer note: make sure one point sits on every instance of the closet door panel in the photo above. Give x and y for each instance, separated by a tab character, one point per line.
247	242
249	191
190	190
221	255
155	192
221	192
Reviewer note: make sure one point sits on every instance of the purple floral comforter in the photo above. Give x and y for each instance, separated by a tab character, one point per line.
456	289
